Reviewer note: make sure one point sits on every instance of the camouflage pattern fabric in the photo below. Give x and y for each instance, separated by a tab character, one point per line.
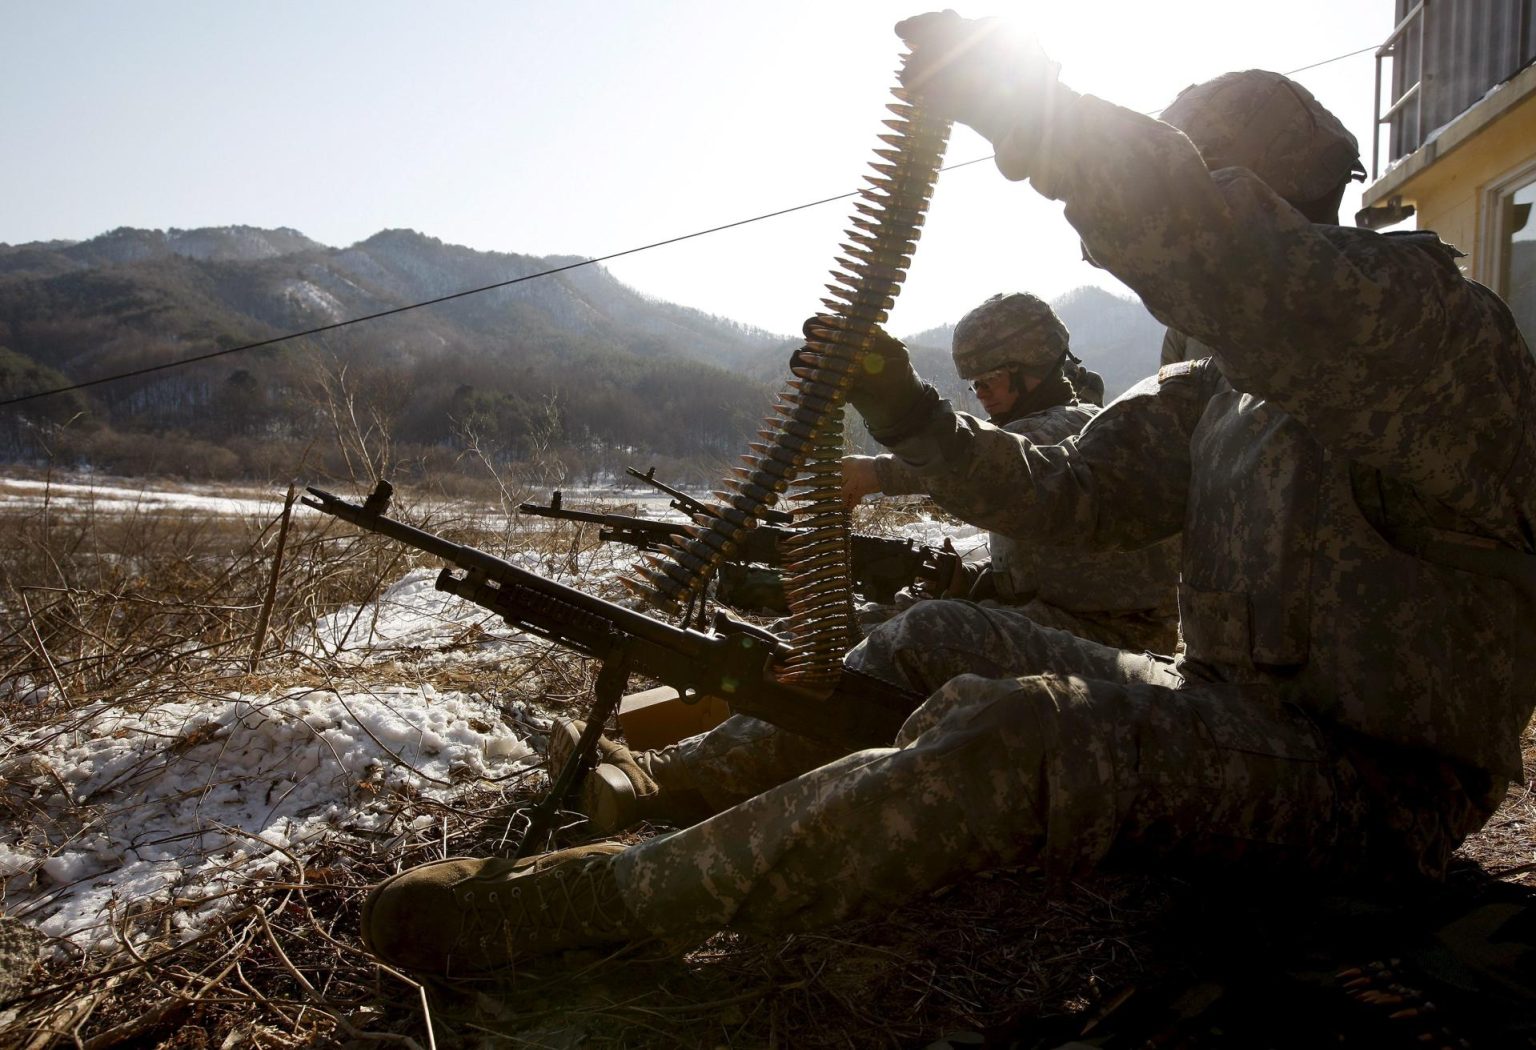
1062	770
1359	387
1153	630
1179	347
1120	598
1017	329
1342	706
922	647
735	760
1274	126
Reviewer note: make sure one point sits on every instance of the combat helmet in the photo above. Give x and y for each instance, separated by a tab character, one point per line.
1272	126
1017	331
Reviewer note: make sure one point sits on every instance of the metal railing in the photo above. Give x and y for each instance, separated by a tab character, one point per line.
1413	93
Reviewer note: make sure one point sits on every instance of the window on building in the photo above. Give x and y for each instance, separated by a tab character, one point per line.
1517	258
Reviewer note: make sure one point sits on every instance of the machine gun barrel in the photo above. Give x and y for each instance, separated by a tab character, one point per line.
734	661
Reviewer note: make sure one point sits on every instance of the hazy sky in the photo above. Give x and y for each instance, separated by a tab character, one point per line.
585	127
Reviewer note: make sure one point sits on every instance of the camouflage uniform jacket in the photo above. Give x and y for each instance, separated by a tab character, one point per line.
1363	401
1069	578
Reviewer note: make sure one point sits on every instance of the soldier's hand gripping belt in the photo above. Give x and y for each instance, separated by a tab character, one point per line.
981	72
886	391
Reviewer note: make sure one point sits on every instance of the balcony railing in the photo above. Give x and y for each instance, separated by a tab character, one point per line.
1446	55
1394	48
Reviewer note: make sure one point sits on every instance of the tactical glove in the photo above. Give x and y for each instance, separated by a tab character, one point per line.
983	583
981	72
886	391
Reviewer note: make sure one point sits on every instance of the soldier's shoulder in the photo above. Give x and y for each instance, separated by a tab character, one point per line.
1411	244
1050	425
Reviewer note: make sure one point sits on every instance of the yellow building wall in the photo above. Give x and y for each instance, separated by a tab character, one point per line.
1449	193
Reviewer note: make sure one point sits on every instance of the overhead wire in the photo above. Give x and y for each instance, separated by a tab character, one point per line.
195	358
259	344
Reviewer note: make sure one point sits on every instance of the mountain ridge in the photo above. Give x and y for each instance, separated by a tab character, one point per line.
553	362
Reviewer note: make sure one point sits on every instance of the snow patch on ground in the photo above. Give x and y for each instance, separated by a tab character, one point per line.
109	498
189	800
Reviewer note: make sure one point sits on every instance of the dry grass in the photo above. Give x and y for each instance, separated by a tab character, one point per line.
135	610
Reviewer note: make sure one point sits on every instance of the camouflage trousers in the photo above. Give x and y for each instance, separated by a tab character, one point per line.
921	647
1099	754
1140	630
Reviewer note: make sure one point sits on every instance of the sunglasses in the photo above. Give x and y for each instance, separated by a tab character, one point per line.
987	380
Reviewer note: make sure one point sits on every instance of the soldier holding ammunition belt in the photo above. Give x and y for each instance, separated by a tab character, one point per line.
1352	472
1014	351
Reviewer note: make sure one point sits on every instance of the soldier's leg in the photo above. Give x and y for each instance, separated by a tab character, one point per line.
1134	630
994	773
935	641
940	640
924	647
987	772
685	782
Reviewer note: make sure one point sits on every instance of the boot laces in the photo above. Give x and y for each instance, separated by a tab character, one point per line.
540	910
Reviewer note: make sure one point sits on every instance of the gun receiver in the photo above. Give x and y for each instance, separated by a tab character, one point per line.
643	533
880	565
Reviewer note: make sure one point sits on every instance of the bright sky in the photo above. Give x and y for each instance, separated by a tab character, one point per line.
586	127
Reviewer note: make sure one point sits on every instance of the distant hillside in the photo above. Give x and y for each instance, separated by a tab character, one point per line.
1114	335
574	361
574	371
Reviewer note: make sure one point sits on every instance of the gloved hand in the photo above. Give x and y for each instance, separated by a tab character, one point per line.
982	72
962	579
983	583
859	479
886	391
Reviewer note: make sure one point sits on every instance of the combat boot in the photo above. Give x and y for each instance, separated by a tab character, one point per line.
624	789
469	918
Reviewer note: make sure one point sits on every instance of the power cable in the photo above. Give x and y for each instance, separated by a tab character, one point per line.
1335	58
195	358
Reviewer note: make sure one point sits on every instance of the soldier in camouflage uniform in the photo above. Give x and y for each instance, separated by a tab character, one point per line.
1124	600
1352	470
1013	349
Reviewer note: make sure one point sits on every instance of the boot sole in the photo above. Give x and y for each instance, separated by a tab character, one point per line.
564	738
608	799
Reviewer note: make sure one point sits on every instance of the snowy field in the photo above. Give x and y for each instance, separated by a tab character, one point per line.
180	804
121	497
189	800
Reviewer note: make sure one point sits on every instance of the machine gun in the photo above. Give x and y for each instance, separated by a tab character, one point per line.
733	660
880	565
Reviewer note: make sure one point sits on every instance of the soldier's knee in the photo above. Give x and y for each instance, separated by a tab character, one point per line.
1017	712
1043	743
884	638
910	647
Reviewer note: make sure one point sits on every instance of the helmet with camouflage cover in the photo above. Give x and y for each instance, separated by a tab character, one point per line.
1272	126
1018	331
